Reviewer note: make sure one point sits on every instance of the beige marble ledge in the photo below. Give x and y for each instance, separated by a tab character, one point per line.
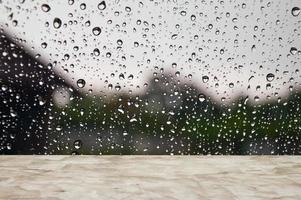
150	177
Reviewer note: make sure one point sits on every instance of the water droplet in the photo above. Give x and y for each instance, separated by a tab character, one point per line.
77	144
82	6
270	77
4	87
8	146
117	87
183	13
44	45
96	52
119	42
45	7
293	50
96	31
121	76
130	77
108	55
205	79
13	113
128	9
102	5
192	17
58	128
202	97
296	11
70	2
57	23
81	83
174	36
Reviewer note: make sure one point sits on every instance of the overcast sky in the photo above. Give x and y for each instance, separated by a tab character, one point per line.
234	43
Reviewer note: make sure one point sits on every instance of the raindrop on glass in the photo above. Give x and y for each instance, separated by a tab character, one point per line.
45	7
57	23
96	31
293	50
96	52
102	5
202	97
205	79
81	83
296	11
77	144
270	77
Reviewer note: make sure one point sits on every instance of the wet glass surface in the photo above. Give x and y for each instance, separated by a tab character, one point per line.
150	77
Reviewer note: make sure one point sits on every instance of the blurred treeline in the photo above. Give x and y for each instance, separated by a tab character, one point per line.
172	118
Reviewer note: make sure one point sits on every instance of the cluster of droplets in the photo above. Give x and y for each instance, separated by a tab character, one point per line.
185	107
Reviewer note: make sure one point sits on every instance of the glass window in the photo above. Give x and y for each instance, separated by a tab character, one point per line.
150	77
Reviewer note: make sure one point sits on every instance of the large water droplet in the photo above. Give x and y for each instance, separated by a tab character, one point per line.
82	6
81	83
57	23
45	7
202	97
102	5
96	31
96	52
270	77
293	50
296	11
205	79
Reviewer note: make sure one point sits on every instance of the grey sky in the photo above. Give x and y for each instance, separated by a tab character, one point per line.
247	41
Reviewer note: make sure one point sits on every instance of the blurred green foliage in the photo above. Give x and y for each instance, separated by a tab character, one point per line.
143	124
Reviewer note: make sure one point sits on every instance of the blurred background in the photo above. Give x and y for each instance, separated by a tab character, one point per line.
151	77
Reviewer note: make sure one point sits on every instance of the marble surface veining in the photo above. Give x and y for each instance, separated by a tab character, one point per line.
150	177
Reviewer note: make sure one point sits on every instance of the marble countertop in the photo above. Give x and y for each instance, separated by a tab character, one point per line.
150	177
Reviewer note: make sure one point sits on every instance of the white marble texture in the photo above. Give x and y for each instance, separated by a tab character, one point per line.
150	177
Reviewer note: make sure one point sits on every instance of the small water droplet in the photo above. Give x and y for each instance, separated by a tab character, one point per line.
128	9
77	144
183	13
13	113
174	36
8	146
4	87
